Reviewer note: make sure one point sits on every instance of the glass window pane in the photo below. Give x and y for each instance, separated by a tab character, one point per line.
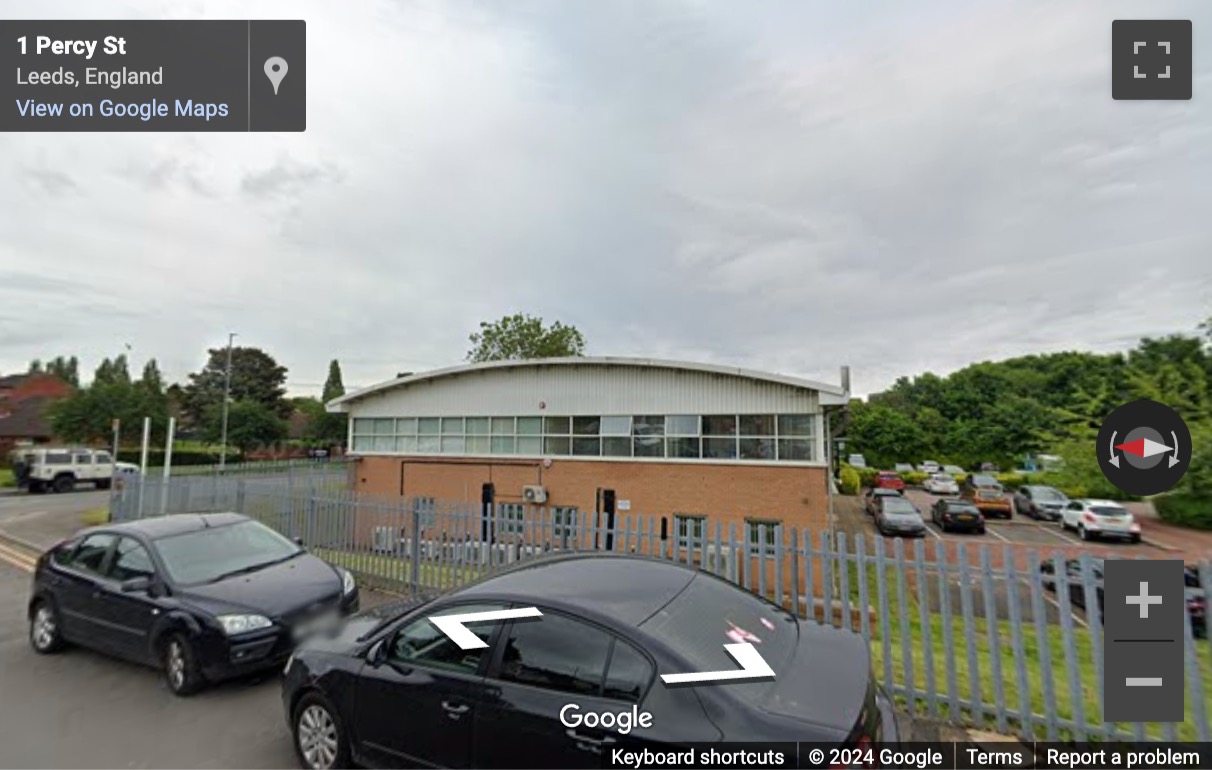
430	426
477	445
428	444
682	425
689	528
406	443
556	445
406	426
719	448
384	426
452	444
719	425
530	426
684	447
648	426
649	446
616	446
629	675
757	449
361	443
530	445
362	426
757	425
502	445
502	426
557	654
798	449
560	426
587	447
423	644
477	426
796	424
452	426
586	426
616	426
383	444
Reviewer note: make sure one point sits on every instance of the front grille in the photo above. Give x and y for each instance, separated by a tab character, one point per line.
311	610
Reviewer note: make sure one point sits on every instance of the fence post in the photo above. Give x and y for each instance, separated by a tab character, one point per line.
240	495
795	571
415	555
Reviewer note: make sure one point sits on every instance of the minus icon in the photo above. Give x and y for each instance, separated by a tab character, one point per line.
1143	681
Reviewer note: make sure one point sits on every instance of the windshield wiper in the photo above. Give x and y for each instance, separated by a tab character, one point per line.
252	568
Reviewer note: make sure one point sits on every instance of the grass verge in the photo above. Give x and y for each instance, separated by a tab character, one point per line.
94	517
6	478
398	572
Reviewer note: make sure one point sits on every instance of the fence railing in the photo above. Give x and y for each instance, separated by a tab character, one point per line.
1004	637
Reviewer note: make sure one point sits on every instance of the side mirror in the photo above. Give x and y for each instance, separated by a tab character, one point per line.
378	654
136	585
298	540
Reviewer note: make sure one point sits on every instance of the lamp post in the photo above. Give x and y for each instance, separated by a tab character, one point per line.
226	398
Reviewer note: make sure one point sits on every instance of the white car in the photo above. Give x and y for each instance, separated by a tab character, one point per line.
61	469
857	461
941	484
929	466
1100	518
954	470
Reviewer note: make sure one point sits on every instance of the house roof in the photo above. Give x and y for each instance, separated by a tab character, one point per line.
584	361
26	418
12	380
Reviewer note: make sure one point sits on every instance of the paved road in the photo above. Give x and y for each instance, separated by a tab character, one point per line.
16	505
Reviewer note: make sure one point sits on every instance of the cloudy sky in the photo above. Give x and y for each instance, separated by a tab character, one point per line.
788	186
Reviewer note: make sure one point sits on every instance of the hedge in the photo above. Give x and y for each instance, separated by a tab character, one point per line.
1185	510
155	458
851	480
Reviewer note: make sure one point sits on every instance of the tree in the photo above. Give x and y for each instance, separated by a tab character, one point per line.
87	415
333	386
255	376
250	424
66	369
35	366
518	337
112	372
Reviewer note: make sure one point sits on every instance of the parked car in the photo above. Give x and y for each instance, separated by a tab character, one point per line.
953	513
857	461
61	469
888	480
929	466
941	484
898	516
1040	502
1100	518
203	597
987	494
1196	598
873	496
954	470
903	468
393	690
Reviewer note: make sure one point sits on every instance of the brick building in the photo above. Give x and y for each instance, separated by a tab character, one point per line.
24	399
690	444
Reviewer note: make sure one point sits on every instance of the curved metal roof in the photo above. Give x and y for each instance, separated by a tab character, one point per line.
587	361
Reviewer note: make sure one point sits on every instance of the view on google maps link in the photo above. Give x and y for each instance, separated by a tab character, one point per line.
605	385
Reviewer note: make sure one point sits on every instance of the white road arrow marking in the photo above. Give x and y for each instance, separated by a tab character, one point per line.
753	666
452	625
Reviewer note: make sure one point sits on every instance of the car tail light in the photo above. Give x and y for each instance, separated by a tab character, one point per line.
1088	517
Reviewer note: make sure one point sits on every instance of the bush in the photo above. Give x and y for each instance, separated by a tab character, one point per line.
1012	480
915	478
1184	510
155	457
851	479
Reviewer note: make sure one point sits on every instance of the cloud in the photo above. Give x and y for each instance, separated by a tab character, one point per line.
796	189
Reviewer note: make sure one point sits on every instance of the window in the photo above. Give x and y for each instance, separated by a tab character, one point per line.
563	526
719	425
502	426
90	556
796	424
452	426
406	443
477	426
690	530
383	426
717	448
420	643
762	535
795	449
757	448
429	444
586	447
82	458
503	445
560	426
684	447
58	458
452	444
615	446
556	445
406	426
556	653
429	426
131	561
530	445
511	519
757	437
682	425
718	441
426	510
477	445
629	673
104	458
616	426
586	426
757	425
649	433
530	426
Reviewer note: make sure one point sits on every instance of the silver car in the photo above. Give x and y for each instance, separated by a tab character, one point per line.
1100	518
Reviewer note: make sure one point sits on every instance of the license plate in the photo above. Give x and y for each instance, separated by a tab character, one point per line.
319	624
964	517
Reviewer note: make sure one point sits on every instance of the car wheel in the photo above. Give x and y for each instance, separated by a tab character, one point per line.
103	484
319	739
1084	533
64	484
181	672
44	633
1135	539
37	487
980	531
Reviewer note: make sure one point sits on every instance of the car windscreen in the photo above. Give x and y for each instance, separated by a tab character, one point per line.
898	505
962	508
1047	494
710	613
1110	511
943	477
205	555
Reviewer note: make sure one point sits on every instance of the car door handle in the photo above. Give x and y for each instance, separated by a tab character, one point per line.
455	710
603	741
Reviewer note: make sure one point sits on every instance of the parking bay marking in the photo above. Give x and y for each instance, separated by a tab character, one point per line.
16	559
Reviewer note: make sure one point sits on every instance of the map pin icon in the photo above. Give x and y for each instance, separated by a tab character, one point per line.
275	70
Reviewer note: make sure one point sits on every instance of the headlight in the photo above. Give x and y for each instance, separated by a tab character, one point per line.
347	581
238	624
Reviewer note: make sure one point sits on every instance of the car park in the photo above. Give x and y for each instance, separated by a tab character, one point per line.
941	484
873	496
1093	519
903	468
1040	502
987	494
889	480
561	689
954	470
898	516
954	514
62	469
204	597
929	466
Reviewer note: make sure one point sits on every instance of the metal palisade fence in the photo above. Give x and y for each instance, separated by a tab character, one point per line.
979	635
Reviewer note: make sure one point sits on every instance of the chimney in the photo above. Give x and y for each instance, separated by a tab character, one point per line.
846	380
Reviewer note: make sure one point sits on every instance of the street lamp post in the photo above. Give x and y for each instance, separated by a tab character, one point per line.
226	398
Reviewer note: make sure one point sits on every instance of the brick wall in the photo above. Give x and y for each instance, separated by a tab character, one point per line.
47	385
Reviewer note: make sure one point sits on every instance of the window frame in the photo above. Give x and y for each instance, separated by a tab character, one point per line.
774	532
102	572
685	541
389	637
115	555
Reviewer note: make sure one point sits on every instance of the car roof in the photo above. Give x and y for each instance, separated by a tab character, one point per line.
172	524
629	589
1097	501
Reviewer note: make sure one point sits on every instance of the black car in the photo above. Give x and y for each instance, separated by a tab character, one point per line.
390	689
954	514
1040	502
1196	598
898	516
203	597
874	496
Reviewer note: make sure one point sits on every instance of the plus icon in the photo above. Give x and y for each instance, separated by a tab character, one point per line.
1151	59
1144	600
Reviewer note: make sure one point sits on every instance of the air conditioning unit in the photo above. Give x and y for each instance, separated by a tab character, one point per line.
534	494
717	559
384	539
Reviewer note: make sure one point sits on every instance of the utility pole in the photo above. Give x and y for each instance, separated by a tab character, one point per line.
226	398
